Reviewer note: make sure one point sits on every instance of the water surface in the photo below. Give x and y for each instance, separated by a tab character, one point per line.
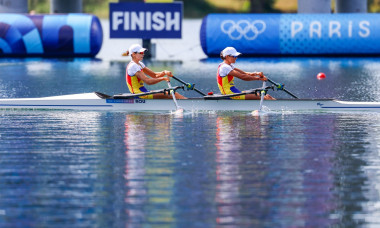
206	169
197	170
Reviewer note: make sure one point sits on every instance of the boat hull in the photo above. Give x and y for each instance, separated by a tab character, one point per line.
90	101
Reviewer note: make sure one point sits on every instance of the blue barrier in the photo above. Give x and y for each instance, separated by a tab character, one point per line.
57	35
292	34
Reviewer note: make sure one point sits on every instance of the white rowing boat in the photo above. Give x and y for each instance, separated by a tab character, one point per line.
98	101
132	102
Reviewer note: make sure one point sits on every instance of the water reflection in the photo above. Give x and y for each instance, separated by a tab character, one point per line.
288	181
271	170
371	211
39	68
149	169
238	191
135	142
223	169
355	181
49	168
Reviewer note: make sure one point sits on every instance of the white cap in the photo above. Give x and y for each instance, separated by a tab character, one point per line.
136	48
230	51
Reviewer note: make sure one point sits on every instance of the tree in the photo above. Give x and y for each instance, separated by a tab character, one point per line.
373	6
197	8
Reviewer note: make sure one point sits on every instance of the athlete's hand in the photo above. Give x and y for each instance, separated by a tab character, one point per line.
255	74
263	78
168	73
259	74
165	79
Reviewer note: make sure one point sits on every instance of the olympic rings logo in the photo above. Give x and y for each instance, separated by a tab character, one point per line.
237	30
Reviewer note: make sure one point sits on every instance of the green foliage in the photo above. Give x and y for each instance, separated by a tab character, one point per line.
198	8
374	6
97	7
39	6
192	8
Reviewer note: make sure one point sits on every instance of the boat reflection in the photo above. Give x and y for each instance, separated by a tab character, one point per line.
262	176
148	169
233	197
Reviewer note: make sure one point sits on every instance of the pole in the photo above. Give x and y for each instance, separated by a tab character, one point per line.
66	6
146	43
351	6
13	6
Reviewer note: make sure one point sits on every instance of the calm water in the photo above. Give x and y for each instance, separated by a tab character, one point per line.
213	169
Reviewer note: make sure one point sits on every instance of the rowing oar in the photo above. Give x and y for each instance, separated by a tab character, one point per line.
262	93
133	95
281	87
189	86
178	109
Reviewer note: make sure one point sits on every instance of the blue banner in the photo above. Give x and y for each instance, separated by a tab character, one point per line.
146	20
52	35
292	34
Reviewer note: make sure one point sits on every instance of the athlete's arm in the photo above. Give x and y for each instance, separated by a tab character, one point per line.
150	81
236	72
157	74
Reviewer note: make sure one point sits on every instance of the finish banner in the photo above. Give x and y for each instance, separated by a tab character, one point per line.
145	20
292	34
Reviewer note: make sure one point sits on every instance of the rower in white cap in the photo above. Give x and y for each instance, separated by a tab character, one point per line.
227	72
136	75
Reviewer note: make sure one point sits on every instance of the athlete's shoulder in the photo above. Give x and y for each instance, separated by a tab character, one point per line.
224	69
142	64
226	66
132	68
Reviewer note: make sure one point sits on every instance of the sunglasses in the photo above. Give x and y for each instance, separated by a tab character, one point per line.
140	53
233	56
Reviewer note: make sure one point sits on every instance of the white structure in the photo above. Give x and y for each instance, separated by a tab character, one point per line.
314	6
14	6
324	6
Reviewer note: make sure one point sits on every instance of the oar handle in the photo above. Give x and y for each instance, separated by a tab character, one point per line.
282	88
190	86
